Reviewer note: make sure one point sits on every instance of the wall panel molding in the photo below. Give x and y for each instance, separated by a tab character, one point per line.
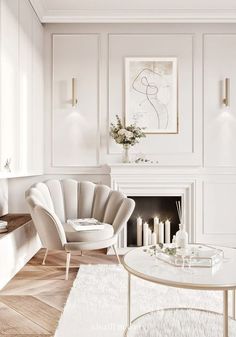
57	165
218	209
174	156
219	124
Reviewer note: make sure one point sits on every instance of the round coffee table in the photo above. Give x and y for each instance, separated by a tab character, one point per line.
222	278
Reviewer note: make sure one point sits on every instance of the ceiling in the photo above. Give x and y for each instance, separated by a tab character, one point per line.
135	10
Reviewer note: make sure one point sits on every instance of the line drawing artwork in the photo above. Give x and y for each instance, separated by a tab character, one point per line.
151	94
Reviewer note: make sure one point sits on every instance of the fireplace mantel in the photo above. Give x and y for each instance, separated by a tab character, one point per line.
151	180
145	168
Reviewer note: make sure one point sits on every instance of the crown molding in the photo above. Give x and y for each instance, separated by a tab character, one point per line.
40	10
134	16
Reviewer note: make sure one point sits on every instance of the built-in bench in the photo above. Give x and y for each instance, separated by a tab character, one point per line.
17	246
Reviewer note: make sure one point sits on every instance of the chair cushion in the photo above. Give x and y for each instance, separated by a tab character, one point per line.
88	236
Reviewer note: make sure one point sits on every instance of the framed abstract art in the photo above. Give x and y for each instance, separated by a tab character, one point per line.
151	93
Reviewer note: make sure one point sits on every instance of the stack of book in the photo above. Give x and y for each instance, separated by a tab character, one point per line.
3	227
86	224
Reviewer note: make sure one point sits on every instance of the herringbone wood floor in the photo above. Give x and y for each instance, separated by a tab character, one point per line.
32	302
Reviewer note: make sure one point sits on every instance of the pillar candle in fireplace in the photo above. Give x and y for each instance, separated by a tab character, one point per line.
161	232
156	225
149	236
139	231
167	231
154	238
145	234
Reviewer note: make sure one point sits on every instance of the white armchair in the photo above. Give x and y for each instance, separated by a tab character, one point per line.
53	202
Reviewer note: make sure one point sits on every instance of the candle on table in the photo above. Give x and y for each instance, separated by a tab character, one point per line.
149	236
161	232
154	238
145	234
167	231
139	231
156	224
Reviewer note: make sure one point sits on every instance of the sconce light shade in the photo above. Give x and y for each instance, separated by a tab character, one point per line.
74	92
226	99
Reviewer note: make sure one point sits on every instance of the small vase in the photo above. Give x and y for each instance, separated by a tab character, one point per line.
125	155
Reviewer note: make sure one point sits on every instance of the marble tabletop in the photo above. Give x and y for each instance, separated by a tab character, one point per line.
222	276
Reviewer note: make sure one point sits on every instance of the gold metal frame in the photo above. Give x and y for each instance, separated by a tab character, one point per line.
171	309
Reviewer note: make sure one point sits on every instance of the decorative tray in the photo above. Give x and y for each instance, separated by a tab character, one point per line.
193	256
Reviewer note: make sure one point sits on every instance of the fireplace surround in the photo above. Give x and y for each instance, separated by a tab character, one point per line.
150	180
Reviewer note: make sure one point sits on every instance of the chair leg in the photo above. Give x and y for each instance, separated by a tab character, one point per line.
234	304
68	255
115	251
45	256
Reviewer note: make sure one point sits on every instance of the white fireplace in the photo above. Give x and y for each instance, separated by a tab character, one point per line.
149	180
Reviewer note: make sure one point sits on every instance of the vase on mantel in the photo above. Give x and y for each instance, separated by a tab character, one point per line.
125	154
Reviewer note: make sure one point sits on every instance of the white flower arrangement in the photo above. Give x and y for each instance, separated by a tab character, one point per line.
129	135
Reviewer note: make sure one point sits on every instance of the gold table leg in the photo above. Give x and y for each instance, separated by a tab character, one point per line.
234	304
225	314
129	300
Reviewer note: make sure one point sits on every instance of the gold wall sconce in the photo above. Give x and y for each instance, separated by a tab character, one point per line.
74	92
226	99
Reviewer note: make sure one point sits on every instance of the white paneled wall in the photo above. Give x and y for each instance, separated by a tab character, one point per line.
202	151
77	139
21	91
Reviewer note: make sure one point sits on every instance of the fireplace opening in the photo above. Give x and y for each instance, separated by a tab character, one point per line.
149	207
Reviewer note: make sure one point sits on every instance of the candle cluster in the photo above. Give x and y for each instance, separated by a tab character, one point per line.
160	233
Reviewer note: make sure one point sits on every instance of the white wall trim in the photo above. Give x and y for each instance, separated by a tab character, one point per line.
40	10
148	15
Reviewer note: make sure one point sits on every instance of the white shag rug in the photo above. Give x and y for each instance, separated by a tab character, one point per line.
97	307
